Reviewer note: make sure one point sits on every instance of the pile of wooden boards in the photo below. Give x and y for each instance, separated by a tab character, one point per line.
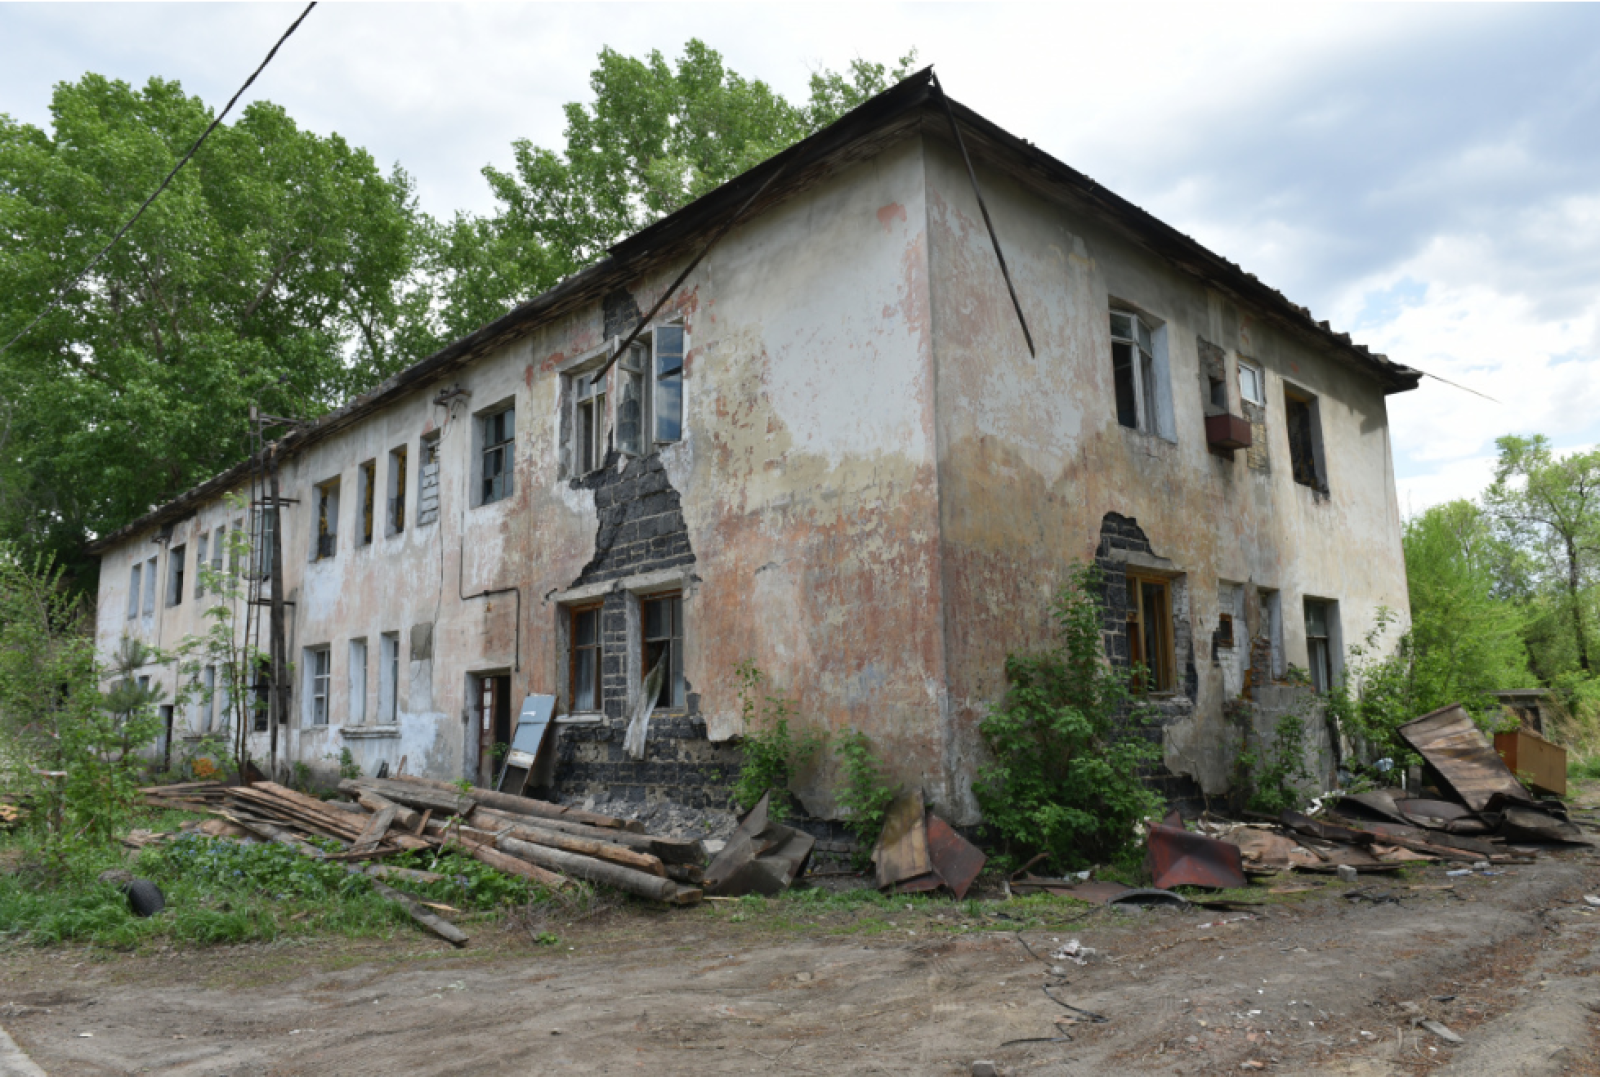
547	843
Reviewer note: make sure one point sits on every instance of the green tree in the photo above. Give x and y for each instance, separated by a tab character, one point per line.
654	138
278	269
1547	512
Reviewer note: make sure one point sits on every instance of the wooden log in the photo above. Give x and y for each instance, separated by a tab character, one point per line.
422	823
437	924
377	826
410	875
667	850
345	806
528	806
486	853
403	816
555	839
272	833
686	873
315	816
596	871
448	801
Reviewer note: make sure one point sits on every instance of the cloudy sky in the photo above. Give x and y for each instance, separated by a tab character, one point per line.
1427	178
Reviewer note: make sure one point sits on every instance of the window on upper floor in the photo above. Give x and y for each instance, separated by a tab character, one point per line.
150	587
428	481
589	422
200	564
496	444
133	589
1252	386
175	560
366	499
1302	421
325	520
396	520
1138	370
650	391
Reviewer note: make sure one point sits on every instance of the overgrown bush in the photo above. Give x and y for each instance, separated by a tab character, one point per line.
1270	773
1068	746
865	792
771	750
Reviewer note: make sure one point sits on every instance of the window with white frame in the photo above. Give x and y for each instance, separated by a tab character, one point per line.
1252	386
650	391
589	422
134	575
219	539
389	678
319	674
1138	357
358	681
497	436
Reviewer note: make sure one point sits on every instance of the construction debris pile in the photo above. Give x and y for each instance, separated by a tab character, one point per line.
1481	816
546	843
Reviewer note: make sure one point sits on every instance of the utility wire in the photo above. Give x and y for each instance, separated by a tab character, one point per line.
61	293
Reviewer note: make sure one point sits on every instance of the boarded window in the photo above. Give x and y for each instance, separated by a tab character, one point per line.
663	643
428	483
1150	634
585	672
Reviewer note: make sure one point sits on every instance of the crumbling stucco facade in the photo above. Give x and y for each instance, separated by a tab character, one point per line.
874	492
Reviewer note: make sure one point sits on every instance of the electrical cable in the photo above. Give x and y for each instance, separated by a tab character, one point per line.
61	292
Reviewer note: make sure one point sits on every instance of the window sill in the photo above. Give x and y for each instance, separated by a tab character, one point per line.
583	718
361	732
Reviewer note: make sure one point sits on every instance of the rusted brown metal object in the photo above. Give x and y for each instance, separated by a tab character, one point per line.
1178	858
901	854
955	859
1457	749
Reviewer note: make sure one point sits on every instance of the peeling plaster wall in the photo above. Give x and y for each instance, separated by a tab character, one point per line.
1031	458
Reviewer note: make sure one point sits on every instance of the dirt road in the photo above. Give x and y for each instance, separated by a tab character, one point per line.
1314	983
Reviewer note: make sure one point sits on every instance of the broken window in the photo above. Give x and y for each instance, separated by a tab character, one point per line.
663	643
1219	394
319	673
175	558
428	482
1321	625
1135	369
585	672
389	678
262	527
200	566
668	402
497	432
397	491
632	420
133	589
325	538
1150	634
589	423
150	587
358	681
1305	439
1252	387
367	479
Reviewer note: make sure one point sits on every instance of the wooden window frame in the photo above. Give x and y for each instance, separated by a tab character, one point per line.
1161	672
497	480
573	647
673	686
368	473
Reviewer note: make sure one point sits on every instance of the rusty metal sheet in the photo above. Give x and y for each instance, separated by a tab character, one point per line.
744	845
902	849
1178	858
1442	811
1268	850
1435	842
1463	757
1377	804
1525	824
955	859
1316	828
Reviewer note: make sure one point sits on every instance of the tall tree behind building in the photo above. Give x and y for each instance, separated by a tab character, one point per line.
274	270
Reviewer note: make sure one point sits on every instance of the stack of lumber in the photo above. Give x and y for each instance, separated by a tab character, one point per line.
546	843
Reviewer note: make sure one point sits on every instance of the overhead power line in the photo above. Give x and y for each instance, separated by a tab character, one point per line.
61	293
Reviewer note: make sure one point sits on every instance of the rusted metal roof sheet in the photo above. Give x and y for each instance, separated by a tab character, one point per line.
901	854
1179	858
1455	747
956	860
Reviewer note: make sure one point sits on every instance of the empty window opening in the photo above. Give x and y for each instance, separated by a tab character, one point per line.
368	482
584	630
325	537
1150	634
166	736
589	422
262	541
1252	387
1305	439
319	675
175	559
1136	357
1321	637
428	481
498	434
1219	394
397	491
261	696
134	575
200	565
389	678
358	682
663	643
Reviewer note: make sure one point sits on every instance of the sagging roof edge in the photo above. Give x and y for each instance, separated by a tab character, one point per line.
634	255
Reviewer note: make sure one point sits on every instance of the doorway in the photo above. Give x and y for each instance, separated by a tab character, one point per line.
493	708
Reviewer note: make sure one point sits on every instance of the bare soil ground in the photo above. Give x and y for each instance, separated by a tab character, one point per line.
1312	983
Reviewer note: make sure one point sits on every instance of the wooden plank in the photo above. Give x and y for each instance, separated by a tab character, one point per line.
528	806
403	816
436	924
377	826
422	823
447	801
667	850
902	849
1455	747
410	875
596	871
600	850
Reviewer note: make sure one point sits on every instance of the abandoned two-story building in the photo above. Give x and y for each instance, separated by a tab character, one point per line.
830	451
